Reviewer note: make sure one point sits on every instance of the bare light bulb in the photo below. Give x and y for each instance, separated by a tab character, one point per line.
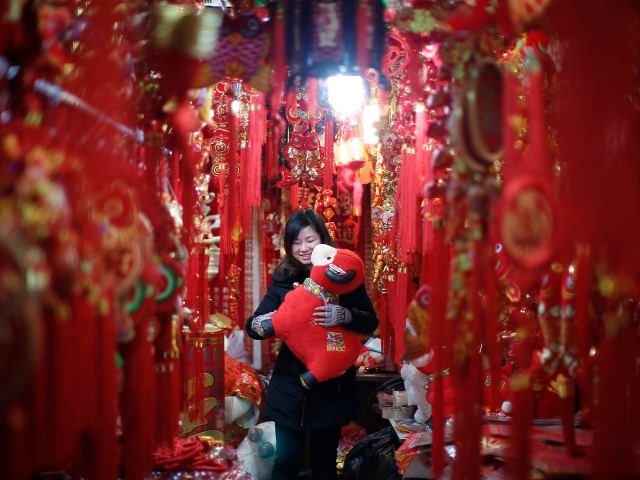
346	94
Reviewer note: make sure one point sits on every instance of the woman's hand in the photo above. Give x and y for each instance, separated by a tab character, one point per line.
262	325
331	315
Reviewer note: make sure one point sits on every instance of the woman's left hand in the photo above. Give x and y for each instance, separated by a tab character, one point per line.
331	315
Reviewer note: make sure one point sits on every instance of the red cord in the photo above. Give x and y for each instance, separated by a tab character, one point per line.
186	455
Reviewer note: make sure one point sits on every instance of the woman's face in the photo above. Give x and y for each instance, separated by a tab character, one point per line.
304	244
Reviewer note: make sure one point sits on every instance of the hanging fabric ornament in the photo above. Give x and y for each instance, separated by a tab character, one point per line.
510	16
326	204
243	49
185	39
483	113
220	150
331	37
302	153
529	224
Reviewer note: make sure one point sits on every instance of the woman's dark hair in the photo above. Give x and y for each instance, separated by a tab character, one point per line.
297	221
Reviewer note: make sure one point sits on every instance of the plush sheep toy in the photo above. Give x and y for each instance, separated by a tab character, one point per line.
327	352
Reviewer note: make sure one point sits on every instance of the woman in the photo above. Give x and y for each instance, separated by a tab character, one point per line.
325	408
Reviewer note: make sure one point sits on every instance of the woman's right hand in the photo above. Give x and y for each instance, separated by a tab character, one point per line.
262	325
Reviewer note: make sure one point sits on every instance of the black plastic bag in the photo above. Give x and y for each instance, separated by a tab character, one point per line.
377	395
373	458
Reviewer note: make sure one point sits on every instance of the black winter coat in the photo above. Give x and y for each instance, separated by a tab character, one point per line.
328	404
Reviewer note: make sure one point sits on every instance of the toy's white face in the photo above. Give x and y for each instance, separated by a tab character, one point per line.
323	255
302	246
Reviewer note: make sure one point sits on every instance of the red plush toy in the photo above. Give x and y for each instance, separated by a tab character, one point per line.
327	352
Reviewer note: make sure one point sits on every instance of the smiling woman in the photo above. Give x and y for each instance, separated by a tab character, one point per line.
323	408
304	244
303	232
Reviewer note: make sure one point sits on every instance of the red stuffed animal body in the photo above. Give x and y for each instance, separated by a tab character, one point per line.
326	351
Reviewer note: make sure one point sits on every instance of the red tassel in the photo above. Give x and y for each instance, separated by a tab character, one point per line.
14	438
427	226
522	405
187	199
427	246
176	180
184	121
423	171
175	387
295	204
490	337
472	378
385	332
279	58
233	203
60	391
86	388
225	218
537	154
162	397
225	179
229	209
362	36
252	163
203	284
582	319
407	200
38	397
137	411
312	96
329	164
567	417
192	282
614	457
270	168
106	465
438	268
167	383
421	154
357	198
398	314
246	209
279	75
244	310
587	97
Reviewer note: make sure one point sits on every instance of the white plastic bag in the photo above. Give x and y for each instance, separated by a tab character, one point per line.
414	383
257	452
234	346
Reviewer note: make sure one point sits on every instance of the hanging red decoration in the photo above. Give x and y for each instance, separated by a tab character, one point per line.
331	37
185	39
305	166
243	49
326	204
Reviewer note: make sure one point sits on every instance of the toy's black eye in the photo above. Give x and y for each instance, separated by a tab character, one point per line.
328	258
